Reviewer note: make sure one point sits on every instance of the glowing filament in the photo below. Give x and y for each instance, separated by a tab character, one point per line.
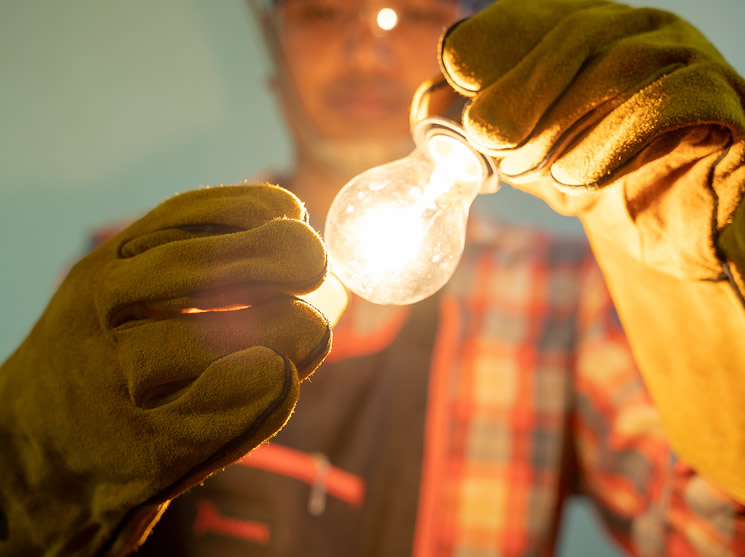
389	238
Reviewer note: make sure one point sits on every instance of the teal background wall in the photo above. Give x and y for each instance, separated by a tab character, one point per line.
108	107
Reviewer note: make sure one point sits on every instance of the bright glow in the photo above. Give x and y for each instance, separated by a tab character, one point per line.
330	299
387	19
395	233
235	307
389	247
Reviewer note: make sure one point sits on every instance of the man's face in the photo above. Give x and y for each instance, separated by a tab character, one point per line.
354	79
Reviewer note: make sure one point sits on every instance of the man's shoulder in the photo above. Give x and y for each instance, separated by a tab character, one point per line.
527	275
524	244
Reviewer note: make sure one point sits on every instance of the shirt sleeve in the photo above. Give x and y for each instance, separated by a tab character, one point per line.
651	502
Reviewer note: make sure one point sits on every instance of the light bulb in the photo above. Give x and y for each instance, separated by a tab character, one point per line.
396	232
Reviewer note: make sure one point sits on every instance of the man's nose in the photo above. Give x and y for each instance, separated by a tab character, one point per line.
366	45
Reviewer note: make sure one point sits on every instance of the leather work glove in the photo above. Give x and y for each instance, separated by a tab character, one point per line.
577	95
125	393
630	119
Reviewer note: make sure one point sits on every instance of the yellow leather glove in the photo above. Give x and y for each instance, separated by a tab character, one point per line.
630	119
576	95
123	396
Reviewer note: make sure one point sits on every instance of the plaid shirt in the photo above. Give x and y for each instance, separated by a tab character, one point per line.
533	395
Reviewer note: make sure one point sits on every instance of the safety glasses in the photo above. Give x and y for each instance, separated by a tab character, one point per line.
325	19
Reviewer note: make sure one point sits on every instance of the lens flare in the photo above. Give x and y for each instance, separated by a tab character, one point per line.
387	19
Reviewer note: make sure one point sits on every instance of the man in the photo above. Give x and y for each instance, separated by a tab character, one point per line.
345	84
458	425
513	387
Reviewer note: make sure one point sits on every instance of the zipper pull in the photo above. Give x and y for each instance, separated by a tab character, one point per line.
317	498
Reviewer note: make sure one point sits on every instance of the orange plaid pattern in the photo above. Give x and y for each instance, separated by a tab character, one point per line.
534	393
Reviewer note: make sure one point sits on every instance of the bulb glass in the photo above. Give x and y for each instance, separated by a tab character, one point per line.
395	233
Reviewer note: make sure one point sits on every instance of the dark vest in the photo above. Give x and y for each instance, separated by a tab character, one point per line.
362	416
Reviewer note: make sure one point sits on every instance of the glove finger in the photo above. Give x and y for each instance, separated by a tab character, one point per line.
480	50
590	59
209	211
163	359
571	72
282	256
238	402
